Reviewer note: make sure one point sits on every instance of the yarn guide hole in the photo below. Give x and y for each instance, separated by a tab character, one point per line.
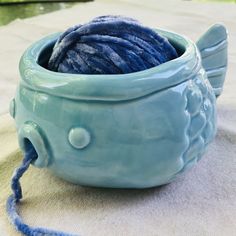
28	146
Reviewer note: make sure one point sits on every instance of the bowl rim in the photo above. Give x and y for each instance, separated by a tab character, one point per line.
115	87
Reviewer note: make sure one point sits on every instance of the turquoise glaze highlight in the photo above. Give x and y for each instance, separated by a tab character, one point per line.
133	130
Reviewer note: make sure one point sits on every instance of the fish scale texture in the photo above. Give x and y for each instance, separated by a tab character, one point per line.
201	109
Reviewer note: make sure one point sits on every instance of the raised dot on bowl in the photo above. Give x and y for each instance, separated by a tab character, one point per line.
79	137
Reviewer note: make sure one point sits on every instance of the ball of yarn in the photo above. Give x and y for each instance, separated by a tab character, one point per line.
109	45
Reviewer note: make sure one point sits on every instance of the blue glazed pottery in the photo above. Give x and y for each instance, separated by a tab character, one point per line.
132	130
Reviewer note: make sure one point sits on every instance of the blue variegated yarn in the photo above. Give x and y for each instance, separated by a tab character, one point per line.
109	45
14	199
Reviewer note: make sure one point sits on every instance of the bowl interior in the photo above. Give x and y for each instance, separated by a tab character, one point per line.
107	87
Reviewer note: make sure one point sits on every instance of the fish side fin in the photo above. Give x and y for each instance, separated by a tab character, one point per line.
213	50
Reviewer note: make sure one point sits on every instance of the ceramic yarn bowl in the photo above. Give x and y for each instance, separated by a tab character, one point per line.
133	130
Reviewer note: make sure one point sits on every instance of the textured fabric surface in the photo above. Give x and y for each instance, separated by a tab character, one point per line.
201	202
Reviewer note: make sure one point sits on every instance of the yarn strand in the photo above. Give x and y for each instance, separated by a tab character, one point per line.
14	199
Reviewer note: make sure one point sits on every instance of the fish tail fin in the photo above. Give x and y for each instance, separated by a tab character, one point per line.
213	50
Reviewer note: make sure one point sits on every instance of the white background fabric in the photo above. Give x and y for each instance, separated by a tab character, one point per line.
201	202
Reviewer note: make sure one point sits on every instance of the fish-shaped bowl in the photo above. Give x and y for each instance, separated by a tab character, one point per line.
133	130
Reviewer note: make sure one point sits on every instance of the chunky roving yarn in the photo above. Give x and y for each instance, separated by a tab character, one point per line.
14	199
109	45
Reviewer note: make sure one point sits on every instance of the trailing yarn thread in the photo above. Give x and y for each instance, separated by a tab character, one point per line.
109	45
105	45
14	199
